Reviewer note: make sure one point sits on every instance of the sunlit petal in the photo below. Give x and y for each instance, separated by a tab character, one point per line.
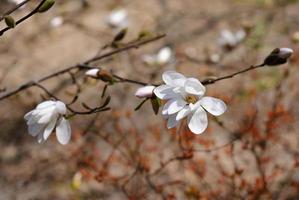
194	86
198	121
176	105
63	131
173	78
213	105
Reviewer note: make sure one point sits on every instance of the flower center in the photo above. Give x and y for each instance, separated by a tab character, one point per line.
191	99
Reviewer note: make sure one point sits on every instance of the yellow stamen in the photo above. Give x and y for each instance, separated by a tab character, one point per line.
191	99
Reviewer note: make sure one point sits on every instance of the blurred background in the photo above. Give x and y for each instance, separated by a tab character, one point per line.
250	152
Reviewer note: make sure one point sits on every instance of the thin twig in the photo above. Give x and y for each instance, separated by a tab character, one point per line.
83	66
33	12
14	9
211	81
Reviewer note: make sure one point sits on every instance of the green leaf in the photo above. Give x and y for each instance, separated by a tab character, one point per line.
155	104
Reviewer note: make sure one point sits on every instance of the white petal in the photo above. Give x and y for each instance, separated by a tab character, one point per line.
40	138
63	131
176	105
60	107
33	119
165	107
49	128
172	122
45	118
213	105
35	129
43	110
28	115
195	106
164	55
44	113
174	78
45	104
183	113
198	121
194	86
165	92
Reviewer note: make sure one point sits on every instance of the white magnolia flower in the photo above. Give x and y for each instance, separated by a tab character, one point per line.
118	19
146	91
42	120
161	58
56	21
185	98
230	39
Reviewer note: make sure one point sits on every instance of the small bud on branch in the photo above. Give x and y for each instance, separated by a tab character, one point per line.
46	6
10	22
278	56
146	91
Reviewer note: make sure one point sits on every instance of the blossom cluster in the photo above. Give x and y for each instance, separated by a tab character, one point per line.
183	98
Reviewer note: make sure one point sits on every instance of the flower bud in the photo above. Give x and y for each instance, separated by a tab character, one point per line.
10	22
120	35
46	6
278	56
146	91
105	76
92	73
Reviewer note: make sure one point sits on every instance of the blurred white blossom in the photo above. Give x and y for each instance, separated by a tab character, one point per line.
161	58
56	21
16	1
45	117
215	58
185	98
229	39
146	91
118	19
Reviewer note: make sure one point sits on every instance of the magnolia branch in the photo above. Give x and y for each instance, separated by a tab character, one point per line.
33	12
211	81
14	9
74	112
85	66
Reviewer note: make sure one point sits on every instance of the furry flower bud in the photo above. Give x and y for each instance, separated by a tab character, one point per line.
146	91
92	73
278	56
